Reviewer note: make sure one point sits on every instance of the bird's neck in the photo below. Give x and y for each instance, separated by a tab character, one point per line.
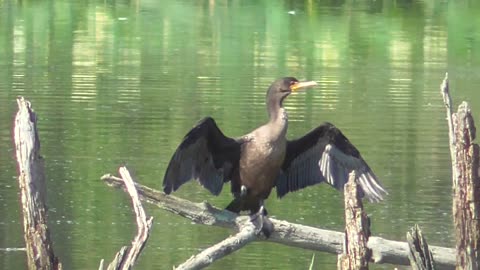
278	118
275	109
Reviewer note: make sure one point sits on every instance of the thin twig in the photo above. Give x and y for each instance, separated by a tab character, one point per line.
447	100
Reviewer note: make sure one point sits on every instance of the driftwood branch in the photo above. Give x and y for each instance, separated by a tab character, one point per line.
127	256
233	243
356	253
290	234
466	183
31	179
420	256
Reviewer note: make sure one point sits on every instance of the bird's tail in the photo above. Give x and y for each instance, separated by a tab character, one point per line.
244	204
235	206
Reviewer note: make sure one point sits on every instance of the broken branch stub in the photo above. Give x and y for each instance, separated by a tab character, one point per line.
31	179
356	253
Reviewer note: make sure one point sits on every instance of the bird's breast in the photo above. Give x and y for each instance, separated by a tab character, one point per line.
260	165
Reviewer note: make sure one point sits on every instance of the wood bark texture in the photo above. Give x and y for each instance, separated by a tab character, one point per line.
466	191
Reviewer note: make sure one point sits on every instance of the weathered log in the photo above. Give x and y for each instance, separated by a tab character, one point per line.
127	256
420	256
466	184
356	253
31	179
290	234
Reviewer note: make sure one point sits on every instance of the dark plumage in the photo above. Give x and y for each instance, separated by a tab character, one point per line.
263	159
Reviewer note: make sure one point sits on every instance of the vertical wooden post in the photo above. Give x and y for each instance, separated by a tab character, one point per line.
466	191
31	180
466	186
356	254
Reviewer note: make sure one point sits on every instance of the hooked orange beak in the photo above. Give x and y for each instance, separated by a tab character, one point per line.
300	85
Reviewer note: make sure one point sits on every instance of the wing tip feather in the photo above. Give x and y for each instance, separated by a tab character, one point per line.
372	189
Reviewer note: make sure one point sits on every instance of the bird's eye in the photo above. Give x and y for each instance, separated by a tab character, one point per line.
292	82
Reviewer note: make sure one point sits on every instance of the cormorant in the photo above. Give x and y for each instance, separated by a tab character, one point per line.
263	159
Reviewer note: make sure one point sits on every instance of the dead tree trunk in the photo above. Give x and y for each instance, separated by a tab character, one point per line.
466	190
356	253
466	186
31	179
420	256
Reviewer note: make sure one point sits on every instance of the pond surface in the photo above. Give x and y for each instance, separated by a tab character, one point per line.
122	82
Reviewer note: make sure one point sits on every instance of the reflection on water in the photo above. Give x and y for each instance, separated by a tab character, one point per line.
121	82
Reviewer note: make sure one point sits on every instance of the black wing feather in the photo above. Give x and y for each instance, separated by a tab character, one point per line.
206	155
325	154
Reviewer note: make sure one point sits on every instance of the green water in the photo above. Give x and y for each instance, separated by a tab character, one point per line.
121	82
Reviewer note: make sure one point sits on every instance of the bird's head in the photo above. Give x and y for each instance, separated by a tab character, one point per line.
283	87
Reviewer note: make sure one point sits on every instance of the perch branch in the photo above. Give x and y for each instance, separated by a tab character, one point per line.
290	234
233	243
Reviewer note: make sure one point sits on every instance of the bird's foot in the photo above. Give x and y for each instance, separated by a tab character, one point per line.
261	222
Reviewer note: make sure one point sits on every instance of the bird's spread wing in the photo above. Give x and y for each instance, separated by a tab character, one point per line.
206	155
325	154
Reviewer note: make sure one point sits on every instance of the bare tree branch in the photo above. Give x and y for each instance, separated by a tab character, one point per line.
127	256
233	243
